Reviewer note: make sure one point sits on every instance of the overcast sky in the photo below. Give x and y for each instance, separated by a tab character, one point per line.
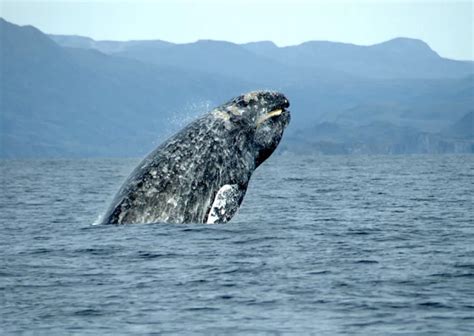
447	26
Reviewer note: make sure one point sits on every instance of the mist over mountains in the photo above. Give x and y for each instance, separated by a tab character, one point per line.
71	96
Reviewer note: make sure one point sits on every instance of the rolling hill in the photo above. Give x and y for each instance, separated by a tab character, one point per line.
71	96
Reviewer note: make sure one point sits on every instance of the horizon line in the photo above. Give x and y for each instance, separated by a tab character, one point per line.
241	43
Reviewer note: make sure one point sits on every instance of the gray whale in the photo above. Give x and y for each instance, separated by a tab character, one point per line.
201	174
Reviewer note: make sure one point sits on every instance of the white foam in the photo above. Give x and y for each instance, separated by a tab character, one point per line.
98	220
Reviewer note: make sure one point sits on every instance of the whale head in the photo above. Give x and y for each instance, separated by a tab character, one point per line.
265	116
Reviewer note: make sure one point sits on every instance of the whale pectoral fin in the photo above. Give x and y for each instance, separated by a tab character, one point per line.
225	204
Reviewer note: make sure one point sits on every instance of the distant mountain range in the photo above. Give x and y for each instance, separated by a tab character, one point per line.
71	96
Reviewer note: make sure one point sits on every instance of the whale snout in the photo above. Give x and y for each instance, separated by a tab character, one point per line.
276	100
282	101
276	109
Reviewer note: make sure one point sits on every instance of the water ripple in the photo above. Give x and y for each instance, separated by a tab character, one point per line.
346	245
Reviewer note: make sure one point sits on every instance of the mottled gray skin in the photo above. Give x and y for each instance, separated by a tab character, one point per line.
179	181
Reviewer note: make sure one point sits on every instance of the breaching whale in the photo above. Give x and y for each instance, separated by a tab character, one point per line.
201	174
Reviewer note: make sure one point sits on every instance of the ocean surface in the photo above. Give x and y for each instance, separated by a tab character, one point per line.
323	245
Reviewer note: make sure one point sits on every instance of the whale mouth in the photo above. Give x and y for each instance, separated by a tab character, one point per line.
277	110
274	113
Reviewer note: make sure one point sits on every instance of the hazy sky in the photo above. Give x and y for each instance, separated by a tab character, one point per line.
447	26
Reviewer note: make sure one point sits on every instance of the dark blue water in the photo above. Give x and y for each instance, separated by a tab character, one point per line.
322	245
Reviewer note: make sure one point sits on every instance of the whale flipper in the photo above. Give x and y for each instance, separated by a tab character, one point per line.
225	204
